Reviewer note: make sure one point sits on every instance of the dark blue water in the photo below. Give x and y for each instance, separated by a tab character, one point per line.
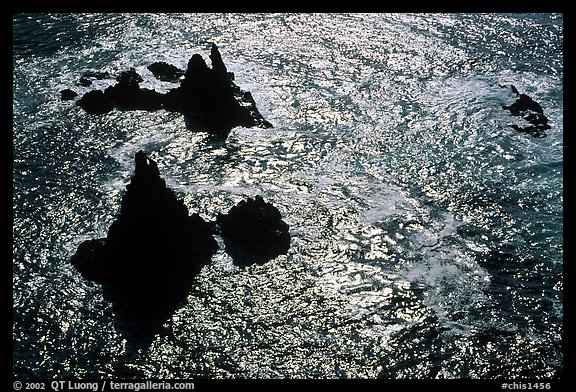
426	232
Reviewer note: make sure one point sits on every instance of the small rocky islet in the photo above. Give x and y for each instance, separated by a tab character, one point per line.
529	110
207	97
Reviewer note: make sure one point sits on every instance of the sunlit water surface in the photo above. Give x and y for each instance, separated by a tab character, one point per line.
426	232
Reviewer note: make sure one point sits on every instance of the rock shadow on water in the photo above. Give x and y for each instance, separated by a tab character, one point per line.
253	232
151	255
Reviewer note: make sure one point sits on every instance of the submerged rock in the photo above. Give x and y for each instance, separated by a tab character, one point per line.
254	232
153	250
529	110
207	97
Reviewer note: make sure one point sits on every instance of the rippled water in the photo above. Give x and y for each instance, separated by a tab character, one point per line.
426	232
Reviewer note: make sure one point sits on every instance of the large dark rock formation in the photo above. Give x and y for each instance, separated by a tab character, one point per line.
152	252
529	110
254	232
154	249
207	97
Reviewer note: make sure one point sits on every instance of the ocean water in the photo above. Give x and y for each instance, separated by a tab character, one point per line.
427	234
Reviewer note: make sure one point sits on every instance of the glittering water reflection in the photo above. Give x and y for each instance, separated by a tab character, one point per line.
426	234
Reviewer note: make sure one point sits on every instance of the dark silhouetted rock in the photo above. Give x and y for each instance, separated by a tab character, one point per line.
87	258
249	104
154	225
152	252
127	94
68	94
254	232
207	97
523	104
95	102
217	64
529	110
165	72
